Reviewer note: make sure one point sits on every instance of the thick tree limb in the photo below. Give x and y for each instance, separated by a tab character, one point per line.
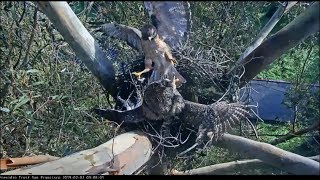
295	134
229	167
316	158
290	162
121	155
220	169
288	37
266	30
80	40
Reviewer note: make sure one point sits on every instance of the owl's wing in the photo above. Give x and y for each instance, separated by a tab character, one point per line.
130	116
228	115
172	20
129	34
221	117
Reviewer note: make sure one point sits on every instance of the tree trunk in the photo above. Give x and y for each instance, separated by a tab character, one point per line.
290	162
288	37
266	30
80	40
121	155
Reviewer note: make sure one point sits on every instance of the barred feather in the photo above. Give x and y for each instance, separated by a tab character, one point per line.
221	117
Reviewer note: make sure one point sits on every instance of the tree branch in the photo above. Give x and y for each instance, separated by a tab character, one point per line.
290	162
265	31
288	37
80	40
220	169
123	154
295	134
316	158
229	167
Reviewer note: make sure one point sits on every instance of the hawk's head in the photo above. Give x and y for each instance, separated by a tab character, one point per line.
149	32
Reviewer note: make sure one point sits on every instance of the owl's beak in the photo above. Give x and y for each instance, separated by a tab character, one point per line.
150	38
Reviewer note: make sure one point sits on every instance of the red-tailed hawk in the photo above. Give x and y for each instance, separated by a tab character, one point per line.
172	20
155	50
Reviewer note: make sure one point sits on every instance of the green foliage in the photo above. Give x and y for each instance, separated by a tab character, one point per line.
303	145
301	63
46	96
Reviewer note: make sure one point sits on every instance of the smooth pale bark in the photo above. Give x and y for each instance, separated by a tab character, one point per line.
288	37
229	167
316	158
220	169
287	161
121	155
80	40
266	30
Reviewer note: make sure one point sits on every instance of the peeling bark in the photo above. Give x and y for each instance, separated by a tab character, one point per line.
121	155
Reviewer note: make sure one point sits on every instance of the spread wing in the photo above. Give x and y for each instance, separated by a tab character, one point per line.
223	116
129	34
172	20
127	117
228	115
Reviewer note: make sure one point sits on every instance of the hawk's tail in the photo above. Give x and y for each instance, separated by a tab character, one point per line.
178	76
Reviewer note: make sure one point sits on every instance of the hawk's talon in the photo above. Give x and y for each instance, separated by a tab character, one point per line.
167	80
138	74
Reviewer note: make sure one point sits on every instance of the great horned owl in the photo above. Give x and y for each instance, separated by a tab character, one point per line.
220	117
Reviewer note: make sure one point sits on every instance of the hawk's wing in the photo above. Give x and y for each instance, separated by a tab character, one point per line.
129	34
172	20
